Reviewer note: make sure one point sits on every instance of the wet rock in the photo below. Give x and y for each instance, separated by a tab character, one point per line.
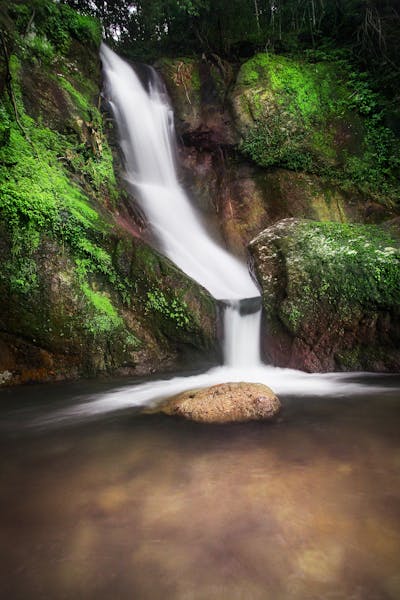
330	295
244	199
198	90
225	403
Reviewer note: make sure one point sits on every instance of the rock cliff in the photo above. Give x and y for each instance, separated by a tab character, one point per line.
80	292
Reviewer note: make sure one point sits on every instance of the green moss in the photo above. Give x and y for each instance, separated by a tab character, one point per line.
345	268
20	270
92	158
79	100
105	317
250	76
320	118
37	193
293	105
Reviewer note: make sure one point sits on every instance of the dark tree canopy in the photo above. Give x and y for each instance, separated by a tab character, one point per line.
370	26
367	30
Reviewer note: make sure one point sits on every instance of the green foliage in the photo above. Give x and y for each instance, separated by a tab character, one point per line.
53	25
83	28
169	307
271	144
41	48
377	169
343	268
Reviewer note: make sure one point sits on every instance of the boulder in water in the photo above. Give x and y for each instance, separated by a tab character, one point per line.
225	403
331	295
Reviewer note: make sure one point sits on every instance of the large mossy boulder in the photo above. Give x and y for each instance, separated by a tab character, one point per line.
315	117
331	294
293	113
225	403
80	293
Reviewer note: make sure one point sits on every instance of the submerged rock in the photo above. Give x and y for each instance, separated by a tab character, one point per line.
225	403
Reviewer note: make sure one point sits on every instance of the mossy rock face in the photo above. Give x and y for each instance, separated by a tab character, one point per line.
294	114
312	117
331	295
59	325
80	293
239	199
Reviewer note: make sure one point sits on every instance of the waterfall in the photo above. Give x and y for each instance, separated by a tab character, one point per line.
242	322
145	123
147	136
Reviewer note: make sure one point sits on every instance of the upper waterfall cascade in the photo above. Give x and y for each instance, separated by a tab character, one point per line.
147	137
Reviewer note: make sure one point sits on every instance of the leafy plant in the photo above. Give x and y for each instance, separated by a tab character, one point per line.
172	308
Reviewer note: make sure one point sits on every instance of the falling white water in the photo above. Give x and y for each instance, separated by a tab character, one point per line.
146	127
242	335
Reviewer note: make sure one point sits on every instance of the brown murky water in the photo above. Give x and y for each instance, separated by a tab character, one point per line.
145	507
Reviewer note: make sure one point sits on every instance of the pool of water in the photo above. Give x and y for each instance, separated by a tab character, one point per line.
135	506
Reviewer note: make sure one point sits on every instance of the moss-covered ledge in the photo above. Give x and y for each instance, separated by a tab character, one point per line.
331	294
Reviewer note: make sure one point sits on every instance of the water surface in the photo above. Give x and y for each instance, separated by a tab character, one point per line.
148	507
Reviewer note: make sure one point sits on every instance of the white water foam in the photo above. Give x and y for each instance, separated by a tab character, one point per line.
282	381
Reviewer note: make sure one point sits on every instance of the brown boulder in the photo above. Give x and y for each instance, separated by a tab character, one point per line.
225	403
